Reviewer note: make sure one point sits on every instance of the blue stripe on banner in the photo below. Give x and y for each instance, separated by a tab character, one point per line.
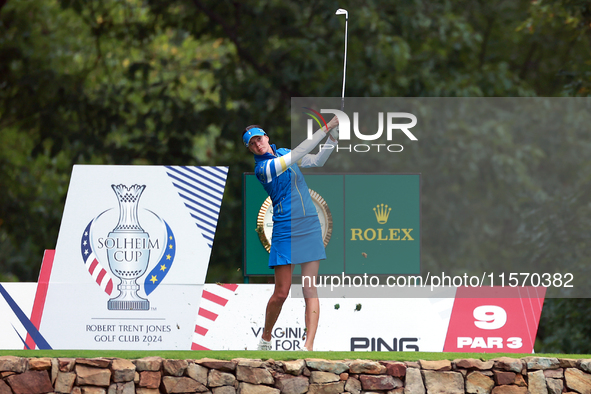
21	338
222	178
205	226
206	185
211	174
86	237
160	270
221	169
30	327
199	182
201	224
195	209
196	196
210	171
195	187
202	189
203	177
204	236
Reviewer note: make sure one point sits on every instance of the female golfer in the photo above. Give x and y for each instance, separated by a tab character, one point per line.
297	236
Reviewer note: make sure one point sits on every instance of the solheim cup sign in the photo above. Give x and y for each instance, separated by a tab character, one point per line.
132	256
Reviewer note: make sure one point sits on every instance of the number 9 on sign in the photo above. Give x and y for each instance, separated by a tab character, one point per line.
489	317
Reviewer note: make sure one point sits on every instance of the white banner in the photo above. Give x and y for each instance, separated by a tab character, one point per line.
131	257
233	317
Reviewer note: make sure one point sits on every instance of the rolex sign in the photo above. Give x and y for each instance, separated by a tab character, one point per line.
370	223
382	227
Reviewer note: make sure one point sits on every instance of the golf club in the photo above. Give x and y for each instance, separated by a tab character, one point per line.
341	11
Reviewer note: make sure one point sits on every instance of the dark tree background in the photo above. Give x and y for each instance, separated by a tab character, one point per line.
174	82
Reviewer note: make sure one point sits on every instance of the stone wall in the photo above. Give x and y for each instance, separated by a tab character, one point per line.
244	376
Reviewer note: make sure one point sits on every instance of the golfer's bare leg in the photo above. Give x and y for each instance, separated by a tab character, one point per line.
310	269
282	286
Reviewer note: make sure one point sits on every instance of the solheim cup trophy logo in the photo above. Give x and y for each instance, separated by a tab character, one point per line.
130	254
128	250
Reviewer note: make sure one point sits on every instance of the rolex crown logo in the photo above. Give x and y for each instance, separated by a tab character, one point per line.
382	212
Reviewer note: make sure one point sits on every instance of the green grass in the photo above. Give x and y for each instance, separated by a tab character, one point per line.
265	355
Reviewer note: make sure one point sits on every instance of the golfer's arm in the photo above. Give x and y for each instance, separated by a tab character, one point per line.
321	157
275	167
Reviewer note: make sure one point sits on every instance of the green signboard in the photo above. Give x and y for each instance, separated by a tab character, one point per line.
382	223
371	223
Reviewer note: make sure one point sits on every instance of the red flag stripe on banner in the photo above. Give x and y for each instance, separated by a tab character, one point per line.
109	288
100	275
201	330
207	314
41	294
93	266
214	298
206	318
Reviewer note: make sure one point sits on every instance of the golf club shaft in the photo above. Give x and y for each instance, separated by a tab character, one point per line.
345	64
